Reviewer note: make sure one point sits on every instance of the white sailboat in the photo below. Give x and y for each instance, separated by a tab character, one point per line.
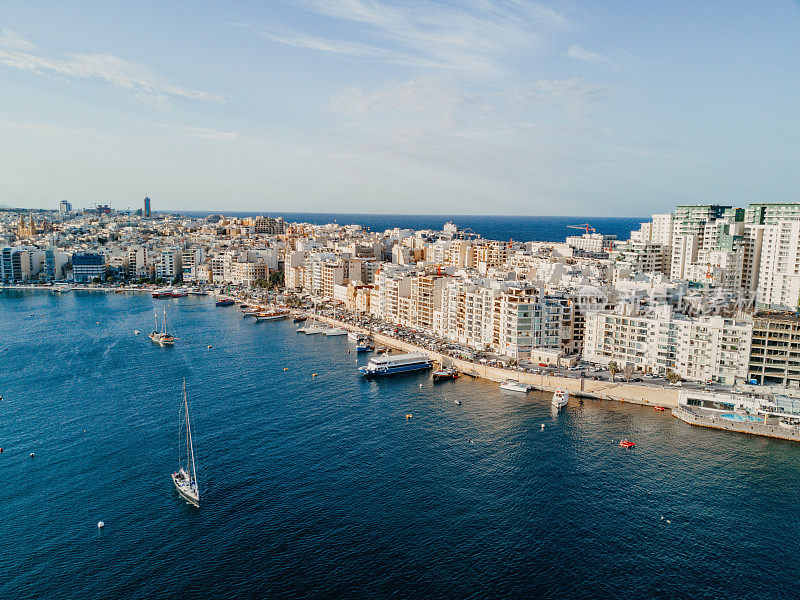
185	478
333	331
162	337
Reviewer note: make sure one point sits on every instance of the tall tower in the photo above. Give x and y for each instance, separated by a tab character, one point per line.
146	211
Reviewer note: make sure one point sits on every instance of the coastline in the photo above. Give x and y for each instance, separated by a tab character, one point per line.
580	388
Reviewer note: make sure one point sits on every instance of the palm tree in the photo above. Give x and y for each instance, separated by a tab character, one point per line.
613	368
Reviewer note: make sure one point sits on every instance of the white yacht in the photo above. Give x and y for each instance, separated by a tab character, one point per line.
398	363
514	386
185	478
560	398
335	331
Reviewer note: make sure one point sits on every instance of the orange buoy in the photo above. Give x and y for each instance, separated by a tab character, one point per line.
286	368
408	416
313	374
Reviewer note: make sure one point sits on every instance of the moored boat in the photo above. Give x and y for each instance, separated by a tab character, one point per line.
225	302
445	374
514	386
627	444
393	365
162	293
560	399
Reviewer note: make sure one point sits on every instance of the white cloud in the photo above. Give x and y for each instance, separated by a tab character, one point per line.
10	39
472	38
586	56
205	133
130	76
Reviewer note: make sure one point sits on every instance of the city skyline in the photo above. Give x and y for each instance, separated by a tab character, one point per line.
412	108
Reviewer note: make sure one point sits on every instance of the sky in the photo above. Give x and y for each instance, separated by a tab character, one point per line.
614	108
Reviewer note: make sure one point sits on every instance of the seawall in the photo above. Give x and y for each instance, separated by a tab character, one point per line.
587	388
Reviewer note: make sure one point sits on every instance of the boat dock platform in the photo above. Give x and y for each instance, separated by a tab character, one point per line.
704	418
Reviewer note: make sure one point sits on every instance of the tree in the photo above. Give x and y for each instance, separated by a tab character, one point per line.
613	368
275	279
673	377
261	282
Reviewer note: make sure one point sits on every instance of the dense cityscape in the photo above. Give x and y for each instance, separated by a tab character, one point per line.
706	294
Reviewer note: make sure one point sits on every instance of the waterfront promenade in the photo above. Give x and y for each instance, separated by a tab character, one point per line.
579	387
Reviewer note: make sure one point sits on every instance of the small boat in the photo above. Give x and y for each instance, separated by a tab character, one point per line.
225	302
185	478
179	293
514	386
660	408
457	402
627	444
560	398
335	331
198	293
445	374
364	347
161	337
300	318
136	332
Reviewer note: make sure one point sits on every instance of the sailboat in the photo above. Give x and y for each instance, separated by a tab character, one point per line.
333	330
162	337
185	479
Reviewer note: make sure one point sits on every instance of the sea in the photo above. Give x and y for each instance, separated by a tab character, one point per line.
316	484
518	228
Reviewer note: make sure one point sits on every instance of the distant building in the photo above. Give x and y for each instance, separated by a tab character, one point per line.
86	266
15	264
146	210
64	207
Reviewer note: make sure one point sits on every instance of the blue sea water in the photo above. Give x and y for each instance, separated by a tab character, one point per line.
319	487
521	229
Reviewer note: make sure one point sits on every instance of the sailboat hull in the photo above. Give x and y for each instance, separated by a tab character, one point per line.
181	481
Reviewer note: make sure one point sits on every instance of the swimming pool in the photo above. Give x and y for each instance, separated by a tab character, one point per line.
739	418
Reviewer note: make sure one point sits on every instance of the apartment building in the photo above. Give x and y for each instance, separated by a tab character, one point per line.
775	349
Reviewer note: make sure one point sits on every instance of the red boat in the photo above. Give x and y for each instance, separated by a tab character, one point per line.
626	444
660	408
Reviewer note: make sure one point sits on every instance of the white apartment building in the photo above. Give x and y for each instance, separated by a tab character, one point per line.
591	242
711	348
169	264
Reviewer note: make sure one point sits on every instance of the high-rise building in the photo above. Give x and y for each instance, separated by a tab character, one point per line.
146	210
64	207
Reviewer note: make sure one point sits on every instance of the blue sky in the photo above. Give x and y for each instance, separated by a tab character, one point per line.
473	107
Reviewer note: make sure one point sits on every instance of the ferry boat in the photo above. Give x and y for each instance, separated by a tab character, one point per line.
163	293
398	363
179	293
445	374
272	315
514	386
560	398
225	302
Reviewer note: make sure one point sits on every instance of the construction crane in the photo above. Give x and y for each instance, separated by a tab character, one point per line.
585	226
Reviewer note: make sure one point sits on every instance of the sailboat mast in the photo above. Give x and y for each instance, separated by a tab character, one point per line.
190	447
165	331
